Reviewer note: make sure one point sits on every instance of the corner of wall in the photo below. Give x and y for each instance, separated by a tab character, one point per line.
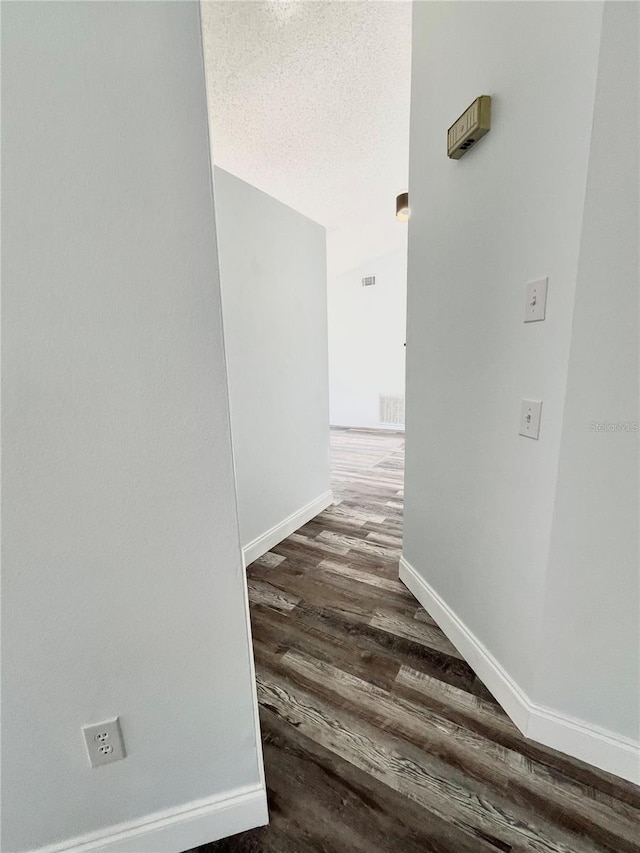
593	744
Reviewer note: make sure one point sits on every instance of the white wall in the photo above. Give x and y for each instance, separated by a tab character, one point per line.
480	499
123	586
274	296
367	328
591	627
507	213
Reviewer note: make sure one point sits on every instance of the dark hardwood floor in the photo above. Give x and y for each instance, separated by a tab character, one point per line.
377	736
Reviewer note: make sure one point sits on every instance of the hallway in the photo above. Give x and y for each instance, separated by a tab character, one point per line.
377	736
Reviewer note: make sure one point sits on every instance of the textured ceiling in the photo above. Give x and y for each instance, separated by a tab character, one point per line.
309	101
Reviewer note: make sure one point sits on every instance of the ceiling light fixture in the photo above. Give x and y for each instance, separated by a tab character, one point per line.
403	211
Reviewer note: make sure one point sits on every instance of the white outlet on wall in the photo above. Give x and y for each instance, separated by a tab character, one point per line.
104	742
530	411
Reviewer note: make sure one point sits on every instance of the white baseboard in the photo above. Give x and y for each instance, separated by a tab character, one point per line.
481	661
593	744
285	528
178	829
375	427
577	738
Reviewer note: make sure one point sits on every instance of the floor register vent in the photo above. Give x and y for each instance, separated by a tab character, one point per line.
391	409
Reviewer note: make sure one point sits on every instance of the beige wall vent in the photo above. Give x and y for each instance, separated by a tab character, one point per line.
391	409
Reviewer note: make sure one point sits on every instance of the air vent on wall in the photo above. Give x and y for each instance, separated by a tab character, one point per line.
391	409
368	280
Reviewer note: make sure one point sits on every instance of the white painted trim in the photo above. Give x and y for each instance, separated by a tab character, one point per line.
377	427
177	829
596	746
254	685
285	528
593	744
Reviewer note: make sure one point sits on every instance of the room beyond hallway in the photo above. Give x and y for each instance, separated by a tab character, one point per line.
377	736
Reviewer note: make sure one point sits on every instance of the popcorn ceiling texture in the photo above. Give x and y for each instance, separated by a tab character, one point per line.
309	102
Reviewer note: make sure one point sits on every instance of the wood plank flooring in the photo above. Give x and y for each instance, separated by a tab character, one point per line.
377	736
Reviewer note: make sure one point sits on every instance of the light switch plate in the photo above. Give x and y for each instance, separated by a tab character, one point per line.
104	742
530	411
536	306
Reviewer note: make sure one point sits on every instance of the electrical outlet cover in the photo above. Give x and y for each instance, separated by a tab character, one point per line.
104	742
530	411
536	304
